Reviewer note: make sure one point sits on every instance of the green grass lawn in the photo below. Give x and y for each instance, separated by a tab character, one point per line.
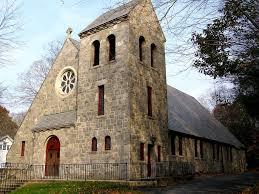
75	188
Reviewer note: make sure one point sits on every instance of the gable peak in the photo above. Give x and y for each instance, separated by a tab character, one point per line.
69	32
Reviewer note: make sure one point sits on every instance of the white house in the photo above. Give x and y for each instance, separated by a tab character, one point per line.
5	144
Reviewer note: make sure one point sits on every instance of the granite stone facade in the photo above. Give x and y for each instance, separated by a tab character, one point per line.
125	118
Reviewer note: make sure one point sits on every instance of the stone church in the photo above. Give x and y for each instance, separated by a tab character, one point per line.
106	100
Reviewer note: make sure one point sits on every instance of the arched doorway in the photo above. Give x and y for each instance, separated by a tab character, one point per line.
52	157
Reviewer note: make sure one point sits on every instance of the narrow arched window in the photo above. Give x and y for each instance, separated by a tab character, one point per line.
141	47
180	141
112	47
153	54
96	50
107	143
94	144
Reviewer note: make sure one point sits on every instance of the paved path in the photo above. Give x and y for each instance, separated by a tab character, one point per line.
229	184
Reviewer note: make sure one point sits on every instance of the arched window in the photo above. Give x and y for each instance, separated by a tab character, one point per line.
153	54
107	143
141	46
94	144
112	47
96	50
173	145
180	139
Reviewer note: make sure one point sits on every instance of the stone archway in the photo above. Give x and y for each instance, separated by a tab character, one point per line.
52	157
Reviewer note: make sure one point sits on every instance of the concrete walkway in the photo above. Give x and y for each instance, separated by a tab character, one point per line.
210	184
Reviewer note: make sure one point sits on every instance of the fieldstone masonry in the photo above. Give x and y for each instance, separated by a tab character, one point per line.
125	118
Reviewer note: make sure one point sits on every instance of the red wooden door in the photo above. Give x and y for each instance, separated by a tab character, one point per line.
52	157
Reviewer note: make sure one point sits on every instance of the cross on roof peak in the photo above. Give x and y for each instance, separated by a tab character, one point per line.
69	32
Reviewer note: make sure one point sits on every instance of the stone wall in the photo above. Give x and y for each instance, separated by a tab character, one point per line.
144	128
207	164
125	118
46	102
114	76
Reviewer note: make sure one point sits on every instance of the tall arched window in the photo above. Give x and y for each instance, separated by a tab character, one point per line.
94	144
112	47
153	54
107	143
96	50
141	47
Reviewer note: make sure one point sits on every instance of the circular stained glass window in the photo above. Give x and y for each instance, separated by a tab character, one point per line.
68	81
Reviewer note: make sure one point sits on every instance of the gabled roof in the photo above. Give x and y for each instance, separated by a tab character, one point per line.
119	12
6	136
55	121
75	43
186	115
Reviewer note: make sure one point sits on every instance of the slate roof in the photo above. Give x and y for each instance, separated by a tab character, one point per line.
111	15
56	121
186	115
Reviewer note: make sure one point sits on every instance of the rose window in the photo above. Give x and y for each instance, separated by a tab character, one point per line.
68	81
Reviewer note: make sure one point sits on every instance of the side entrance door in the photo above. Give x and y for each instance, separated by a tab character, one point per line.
52	157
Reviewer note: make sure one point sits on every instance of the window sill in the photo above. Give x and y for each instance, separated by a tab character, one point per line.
176	156
154	69
112	61
96	66
100	116
148	66
151	117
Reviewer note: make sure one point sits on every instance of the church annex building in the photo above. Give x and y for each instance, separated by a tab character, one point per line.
106	101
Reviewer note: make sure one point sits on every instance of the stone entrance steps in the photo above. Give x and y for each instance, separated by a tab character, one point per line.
7	186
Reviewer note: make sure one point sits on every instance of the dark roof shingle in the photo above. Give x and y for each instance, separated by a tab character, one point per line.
186	115
111	15
56	121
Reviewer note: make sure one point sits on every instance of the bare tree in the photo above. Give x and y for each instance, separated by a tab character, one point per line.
222	94
2	90
31	80
10	28
18	117
179	19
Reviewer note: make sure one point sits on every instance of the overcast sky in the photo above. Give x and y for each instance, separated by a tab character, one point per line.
47	20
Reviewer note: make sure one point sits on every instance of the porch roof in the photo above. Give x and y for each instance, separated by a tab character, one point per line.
55	121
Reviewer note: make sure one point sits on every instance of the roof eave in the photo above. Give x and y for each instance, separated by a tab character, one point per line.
103	26
211	140
36	130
